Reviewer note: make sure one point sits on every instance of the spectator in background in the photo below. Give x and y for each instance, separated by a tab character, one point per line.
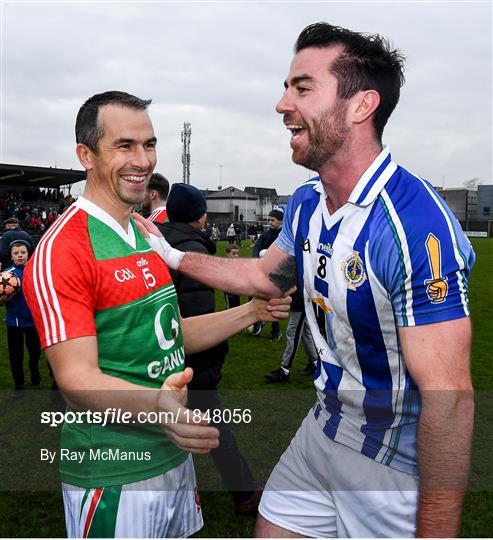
13	232
230	234
154	204
232	300
20	324
260	229
238	234
215	234
51	217
187	209
296	331
252	233
264	241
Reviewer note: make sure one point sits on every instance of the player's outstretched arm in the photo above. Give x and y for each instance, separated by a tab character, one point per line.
223	324
265	278
437	356
85	387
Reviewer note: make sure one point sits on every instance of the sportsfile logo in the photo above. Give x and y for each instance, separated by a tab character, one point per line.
124	274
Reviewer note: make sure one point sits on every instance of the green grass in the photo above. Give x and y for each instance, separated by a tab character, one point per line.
277	410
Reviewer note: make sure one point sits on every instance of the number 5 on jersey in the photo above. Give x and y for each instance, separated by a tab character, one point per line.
149	279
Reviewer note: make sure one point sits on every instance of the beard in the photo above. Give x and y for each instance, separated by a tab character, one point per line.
328	135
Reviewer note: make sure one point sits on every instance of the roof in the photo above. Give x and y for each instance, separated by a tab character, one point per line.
28	176
263	193
231	193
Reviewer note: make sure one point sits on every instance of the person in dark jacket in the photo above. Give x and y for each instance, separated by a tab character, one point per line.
187	209
268	237
20	325
264	241
13	232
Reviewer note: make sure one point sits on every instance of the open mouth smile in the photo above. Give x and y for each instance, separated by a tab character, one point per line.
296	131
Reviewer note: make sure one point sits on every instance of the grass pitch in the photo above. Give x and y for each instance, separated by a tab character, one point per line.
277	411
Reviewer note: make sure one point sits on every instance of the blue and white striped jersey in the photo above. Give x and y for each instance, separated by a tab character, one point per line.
394	255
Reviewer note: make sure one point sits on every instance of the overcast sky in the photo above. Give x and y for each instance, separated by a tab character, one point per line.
221	67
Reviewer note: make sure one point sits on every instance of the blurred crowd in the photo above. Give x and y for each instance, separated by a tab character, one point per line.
35	208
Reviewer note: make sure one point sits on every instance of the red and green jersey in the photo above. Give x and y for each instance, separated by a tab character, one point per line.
159	215
89	277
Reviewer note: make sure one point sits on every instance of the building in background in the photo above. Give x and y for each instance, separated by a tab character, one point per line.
484	206
267	200
461	201
231	205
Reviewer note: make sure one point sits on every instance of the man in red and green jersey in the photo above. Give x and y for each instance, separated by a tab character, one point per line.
106	311
155	199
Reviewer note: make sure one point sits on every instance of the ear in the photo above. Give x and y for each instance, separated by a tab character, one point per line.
85	156
153	194
365	104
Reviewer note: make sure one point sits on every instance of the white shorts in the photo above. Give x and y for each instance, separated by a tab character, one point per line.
160	507
321	488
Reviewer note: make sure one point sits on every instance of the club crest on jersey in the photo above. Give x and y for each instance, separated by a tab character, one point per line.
167	330
354	271
436	286
171	332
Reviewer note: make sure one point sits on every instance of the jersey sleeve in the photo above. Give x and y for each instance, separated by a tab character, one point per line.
422	258
58	287
285	240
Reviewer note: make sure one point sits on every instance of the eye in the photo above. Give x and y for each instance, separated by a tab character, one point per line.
302	89
124	146
151	145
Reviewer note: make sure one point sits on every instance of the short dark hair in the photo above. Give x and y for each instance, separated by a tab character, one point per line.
367	62
230	247
87	129
160	184
11	221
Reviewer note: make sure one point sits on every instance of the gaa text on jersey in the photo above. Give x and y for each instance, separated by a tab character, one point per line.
125	274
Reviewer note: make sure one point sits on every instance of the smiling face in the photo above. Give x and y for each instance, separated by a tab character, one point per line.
120	170
313	113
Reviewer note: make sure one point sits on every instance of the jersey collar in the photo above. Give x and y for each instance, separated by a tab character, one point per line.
370	184
96	211
374	179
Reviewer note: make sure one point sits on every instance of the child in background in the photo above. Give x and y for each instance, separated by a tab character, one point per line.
20	324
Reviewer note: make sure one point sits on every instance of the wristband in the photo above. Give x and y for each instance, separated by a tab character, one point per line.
171	256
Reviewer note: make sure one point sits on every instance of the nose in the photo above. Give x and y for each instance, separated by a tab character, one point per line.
141	158
285	104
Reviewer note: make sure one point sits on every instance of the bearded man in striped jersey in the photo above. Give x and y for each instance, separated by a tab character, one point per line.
384	265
